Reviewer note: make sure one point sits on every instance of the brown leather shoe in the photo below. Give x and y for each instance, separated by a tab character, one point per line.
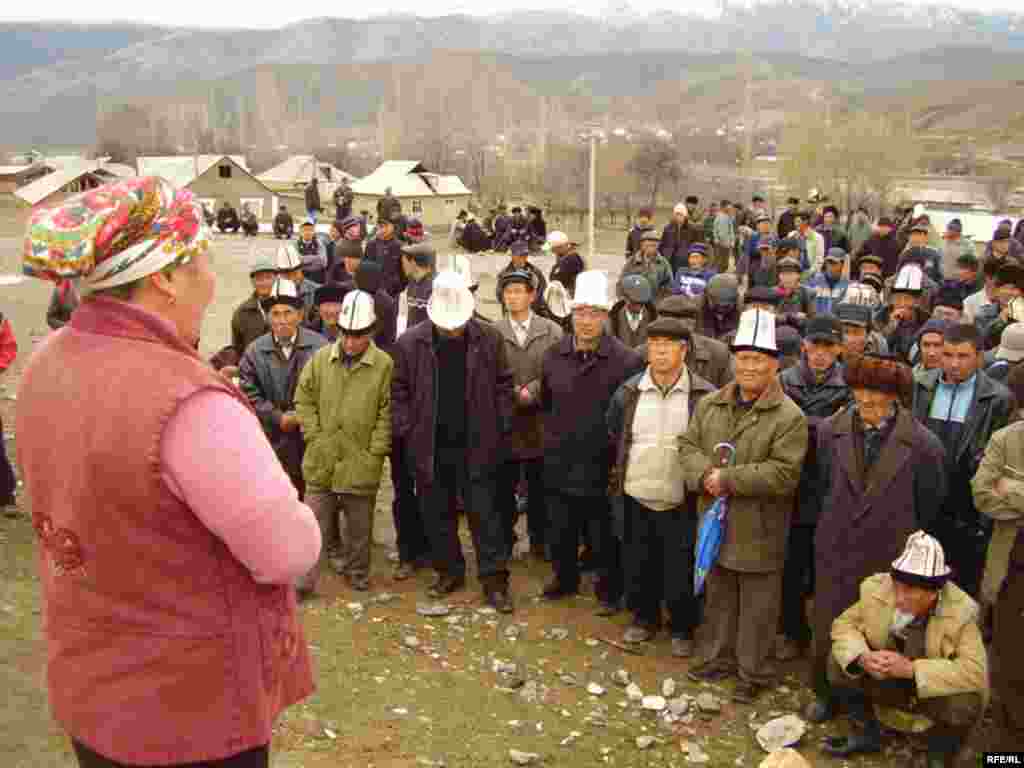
554	590
500	601
746	692
403	571
445	585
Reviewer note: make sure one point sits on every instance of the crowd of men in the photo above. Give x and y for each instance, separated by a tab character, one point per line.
847	387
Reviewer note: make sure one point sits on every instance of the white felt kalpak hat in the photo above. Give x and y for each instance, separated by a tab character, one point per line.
756	332
459	264
557	238
922	562
451	302
910	279
283	292
357	313
288	258
592	290
557	299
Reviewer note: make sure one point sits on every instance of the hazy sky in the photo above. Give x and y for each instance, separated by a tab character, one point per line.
275	14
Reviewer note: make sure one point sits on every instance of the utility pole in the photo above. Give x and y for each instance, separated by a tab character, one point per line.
593	180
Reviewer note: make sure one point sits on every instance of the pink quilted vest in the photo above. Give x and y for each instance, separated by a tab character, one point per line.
161	648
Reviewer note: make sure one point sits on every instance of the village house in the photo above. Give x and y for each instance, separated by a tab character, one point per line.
433	198
214	179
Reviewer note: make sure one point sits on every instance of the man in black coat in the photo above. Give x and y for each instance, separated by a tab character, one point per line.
787	219
227	218
579	377
386	250
815	384
284	224
519	253
886	243
568	262
685	229
312	195
452	403
962	406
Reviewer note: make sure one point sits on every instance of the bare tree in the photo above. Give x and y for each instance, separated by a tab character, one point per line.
655	165
999	185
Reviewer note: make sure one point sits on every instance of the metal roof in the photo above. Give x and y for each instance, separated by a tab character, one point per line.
119	169
408	178
14	170
182	170
448	185
298	169
42	188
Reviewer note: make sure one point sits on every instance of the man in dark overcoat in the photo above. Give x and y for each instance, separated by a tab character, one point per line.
881	473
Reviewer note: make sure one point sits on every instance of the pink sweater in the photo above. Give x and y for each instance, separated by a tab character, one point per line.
265	526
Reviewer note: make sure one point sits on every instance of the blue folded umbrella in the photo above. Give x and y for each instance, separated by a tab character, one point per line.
709	541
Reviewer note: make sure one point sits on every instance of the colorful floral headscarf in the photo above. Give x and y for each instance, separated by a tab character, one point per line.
115	234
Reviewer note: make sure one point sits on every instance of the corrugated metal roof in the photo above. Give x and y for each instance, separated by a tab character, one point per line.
449	185
119	169
42	188
182	170
408	178
399	175
298	169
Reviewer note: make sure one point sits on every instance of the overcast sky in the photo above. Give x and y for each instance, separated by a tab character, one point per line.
275	14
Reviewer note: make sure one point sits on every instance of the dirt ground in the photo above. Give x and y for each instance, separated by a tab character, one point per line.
396	689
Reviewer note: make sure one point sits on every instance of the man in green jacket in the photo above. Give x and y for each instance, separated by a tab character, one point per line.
343	402
767	435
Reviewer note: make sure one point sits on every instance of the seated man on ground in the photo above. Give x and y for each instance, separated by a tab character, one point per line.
911	642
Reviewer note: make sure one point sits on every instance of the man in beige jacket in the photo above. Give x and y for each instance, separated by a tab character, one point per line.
999	495
912	642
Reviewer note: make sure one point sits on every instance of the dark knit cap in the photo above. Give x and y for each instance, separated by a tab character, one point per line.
331	293
516	276
933	326
787	339
762	294
825	328
369	276
949	296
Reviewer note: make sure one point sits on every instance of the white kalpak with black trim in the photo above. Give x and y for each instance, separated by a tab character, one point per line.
756	332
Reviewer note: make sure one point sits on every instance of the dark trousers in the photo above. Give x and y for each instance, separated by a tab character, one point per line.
798	583
253	758
437	504
965	546
8	482
568	515
659	561
537	509
405	509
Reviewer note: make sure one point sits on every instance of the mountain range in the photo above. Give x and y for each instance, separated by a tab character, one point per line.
329	75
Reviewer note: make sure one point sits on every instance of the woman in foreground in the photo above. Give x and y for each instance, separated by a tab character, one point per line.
169	534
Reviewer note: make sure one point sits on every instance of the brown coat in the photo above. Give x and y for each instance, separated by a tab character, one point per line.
771	441
526	441
868	518
248	323
955	658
